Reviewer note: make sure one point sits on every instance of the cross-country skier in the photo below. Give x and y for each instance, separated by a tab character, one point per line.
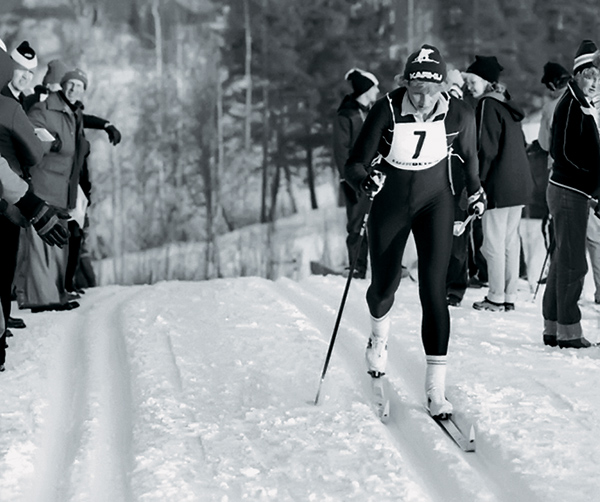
408	135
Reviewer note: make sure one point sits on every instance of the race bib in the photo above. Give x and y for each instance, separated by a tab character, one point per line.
418	145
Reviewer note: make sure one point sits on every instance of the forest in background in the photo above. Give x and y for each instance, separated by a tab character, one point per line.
226	106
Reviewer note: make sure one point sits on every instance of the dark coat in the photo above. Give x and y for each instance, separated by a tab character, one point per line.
575	146
503	164
346	126
56	177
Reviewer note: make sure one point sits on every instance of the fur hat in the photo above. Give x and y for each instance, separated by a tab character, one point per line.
361	81
25	56
75	74
486	67
585	56
555	76
426	64
55	73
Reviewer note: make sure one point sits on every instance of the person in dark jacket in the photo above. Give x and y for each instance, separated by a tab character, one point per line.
406	137
41	281
22	149
574	179
348	120
505	176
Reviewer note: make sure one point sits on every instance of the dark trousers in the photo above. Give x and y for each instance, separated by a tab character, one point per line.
568	264
356	206
477	262
420	202
9	235
74	254
457	279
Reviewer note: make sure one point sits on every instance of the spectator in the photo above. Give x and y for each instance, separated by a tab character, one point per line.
348	121
25	61
505	176
406	136
56	179
22	149
575	178
457	278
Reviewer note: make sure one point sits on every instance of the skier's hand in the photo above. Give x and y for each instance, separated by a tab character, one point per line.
477	203
373	183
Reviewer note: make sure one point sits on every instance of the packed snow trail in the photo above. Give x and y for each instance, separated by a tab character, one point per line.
204	391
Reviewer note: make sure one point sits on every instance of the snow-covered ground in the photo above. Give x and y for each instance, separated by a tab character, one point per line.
204	391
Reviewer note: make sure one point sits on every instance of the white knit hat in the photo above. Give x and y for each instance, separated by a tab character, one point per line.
25	56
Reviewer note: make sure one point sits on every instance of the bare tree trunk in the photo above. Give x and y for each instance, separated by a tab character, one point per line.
248	75
311	176
266	115
159	125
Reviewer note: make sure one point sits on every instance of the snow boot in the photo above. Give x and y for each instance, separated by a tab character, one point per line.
377	351
486	304
435	388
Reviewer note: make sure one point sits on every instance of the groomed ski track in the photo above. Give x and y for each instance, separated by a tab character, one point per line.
187	391
451	474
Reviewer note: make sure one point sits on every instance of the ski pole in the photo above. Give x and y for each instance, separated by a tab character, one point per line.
460	228
344	296
379	178
537	287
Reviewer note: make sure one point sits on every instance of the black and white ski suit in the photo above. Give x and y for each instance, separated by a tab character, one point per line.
417	196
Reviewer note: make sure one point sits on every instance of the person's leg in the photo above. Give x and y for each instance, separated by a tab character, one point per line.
513	253
8	261
494	250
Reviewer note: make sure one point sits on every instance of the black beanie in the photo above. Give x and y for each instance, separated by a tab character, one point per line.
555	76
585	56
361	81
486	67
426	64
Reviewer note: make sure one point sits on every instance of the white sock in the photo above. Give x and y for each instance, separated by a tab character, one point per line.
381	327
435	374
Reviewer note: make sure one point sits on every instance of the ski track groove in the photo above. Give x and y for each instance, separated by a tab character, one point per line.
88	411
406	409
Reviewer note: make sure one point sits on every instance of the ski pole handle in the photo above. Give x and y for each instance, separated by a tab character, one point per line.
461	227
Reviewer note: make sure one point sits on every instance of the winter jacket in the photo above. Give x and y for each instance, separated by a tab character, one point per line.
56	177
346	126
18	143
503	164
376	136
575	145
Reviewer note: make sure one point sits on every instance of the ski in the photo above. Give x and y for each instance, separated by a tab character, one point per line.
380	400
466	444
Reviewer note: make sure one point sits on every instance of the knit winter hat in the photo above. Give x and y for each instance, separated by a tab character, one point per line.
55	73
426	64
25	56
555	76
361	81
75	74
585	56
486	67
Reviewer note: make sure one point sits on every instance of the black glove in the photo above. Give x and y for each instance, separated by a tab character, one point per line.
49	222
114	136
373	183
477	202
56	144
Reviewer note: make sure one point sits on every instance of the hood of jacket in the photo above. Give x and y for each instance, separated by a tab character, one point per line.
515	110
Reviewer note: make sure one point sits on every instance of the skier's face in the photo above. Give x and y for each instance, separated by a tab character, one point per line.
589	81
74	90
423	95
